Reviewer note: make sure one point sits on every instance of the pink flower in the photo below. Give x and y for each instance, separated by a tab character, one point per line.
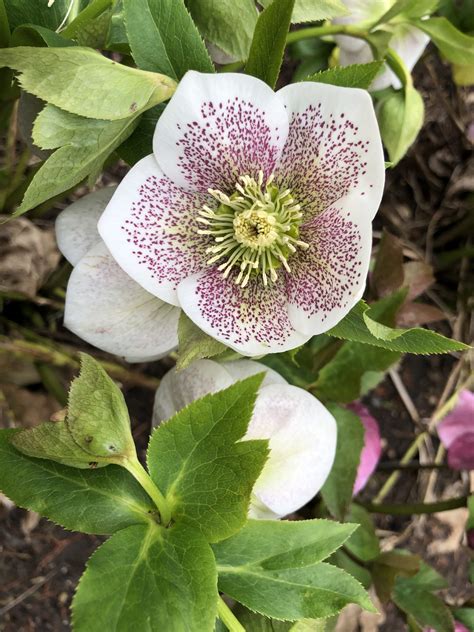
458	627
253	214
456	432
372	446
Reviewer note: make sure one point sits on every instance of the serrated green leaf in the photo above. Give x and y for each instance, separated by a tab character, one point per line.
227	24
269	41
312	592
148	578
337	490
87	144
400	117
276	545
194	344
84	82
408	9
359	326
363	543
456	46
39	13
354	76
97	415
93	501
311	11
96	431
254	622
163	37
200	464
348	564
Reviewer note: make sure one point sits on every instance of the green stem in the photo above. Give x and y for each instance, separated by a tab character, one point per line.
95	8
415	508
397	64
141	475
407	457
329	29
228	618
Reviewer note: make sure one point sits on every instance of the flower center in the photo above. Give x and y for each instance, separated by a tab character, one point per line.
255	229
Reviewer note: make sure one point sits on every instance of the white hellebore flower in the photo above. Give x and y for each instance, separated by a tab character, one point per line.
253	214
302	433
408	41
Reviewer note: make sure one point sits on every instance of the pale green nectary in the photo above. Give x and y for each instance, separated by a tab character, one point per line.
301	431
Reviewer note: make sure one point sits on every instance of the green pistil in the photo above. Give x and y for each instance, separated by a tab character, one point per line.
255	229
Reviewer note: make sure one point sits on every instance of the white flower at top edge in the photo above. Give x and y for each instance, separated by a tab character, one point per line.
302	433
408	41
253	215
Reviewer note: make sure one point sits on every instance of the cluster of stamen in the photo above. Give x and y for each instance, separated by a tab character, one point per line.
255	229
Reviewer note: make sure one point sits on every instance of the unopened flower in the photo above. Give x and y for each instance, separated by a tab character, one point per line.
301	431
254	213
456	432
105	306
372	449
406	40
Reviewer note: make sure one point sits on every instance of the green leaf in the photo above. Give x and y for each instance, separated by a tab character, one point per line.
200	464
348	564
337	490
96	430
428	610
148	578
363	543
97	415
363	368
33	35
360	326
140	142
313	592
93	501
227	24
84	146
408	9
163	37
311	11
465	616
275	568
355	76
254	622
387	567
456	46
400	117
279	544
269	40
194	344
38	12
84	82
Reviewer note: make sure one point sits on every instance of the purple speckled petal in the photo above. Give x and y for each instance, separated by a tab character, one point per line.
372	446
333	147
217	128
328	278
150	228
251	320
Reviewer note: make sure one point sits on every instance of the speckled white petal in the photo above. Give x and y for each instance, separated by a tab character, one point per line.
333	147
218	127
150	228
302	434
177	389
252	321
107	309
76	226
329	278
240	369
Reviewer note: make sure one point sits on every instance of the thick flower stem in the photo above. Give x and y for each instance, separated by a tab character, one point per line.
329	29
398	67
95	8
141	475
228	618
402	509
